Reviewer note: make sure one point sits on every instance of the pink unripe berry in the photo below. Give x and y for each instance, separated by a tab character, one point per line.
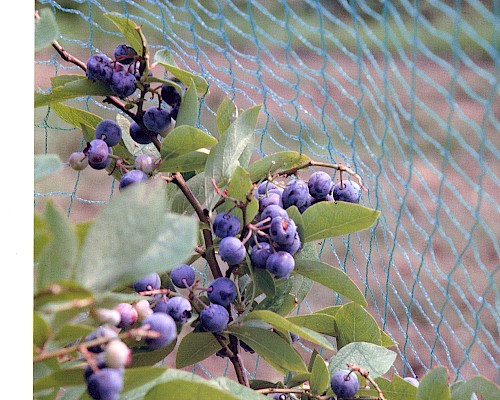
128	315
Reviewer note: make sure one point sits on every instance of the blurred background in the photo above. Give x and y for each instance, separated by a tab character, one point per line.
406	93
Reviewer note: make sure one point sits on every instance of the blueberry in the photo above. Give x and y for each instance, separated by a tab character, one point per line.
78	160
122	83
139	135
413	381
344	389
280	264
320	185
273	211
145	163
296	193
128	315
103	164
160	303
109	131
157	119
179	309
170	95
265	186
231	250
149	282
99	68
294	337
105	384
282	230
349	192
124	54
222	291
182	276
271	198
292	247
164	325
226	224
97	153
99	332
214	318
280	396
132	177
100	363
260	253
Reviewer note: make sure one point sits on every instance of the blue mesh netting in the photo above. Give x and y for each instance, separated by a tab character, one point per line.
404	92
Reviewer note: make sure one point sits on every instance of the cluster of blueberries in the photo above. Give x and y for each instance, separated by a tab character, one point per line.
122	74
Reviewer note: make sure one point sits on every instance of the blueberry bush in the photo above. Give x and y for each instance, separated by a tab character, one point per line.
115	295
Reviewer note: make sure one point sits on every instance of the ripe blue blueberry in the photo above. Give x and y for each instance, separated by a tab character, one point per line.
170	95
265	185
132	177
147	283
413	381
124	54
99	332
214	318
273	197
280	264
157	119
282	230
179	309
139	135
100	363
320	185
122	83
105	384
78	160
273	211
128	315
182	276
222	291
292	247
349	192
226	224
97	153
145	163
164	325
109	131
159	303
344	389
231	250
260	253
280	396
99	68
296	193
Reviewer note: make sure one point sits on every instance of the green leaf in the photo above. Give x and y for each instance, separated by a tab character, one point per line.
46	30
271	347
275	303
320	377
195	347
386	340
193	161
320	323
240	391
180	389
377	360
129	30
434	385
41	330
46	165
178	201
330	277
60	80
75	88
144	357
240	185
62	378
72	332
59	292
76	116
328	219
164	58
225	115
397	388
264	281
224	156
276	162
189	108
277	321
332	310
185	139
57	259
135	236
478	385
354	324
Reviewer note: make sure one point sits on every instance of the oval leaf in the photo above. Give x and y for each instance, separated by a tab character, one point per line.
185	139
129	30
320	377
328	219
354	324
189	108
476	384
75	116
330	277
195	347
46	30
276	162
377	360
46	164
225	115
434	385
320	323
181	389
193	161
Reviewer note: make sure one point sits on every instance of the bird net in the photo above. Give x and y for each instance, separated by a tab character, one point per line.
406	93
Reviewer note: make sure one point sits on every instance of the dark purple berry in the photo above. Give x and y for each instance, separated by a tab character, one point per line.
97	152
179	309
280	264
214	318
131	178
273	211
99	68
160	303
260	254
124	54
182	276
109	131
222	291
292	247
170	95
320	185
282	230
349	192
345	384
148	283
105	384
122	83
226	224
164	325
231	250
157	119
139	135
265	186
296	193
